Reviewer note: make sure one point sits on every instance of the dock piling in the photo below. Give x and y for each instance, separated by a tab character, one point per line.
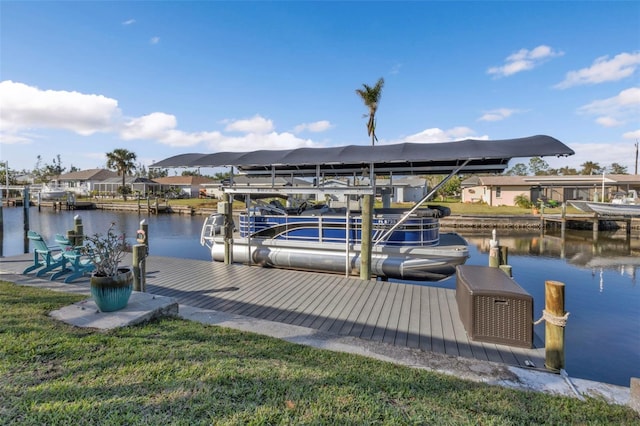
555	321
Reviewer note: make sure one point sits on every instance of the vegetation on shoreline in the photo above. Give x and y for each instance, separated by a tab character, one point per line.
457	208
174	371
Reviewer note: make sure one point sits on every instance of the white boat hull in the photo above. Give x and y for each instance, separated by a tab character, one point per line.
611	209
581	205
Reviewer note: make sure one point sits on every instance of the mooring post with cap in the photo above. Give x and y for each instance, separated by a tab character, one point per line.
555	320
140	252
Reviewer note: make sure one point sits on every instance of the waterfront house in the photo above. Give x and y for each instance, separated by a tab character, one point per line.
502	190
83	182
182	186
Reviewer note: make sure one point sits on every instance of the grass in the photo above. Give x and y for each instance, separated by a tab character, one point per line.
179	372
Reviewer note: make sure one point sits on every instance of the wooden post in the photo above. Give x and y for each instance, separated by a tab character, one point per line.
71	236
554	334
139	267
494	251
365	237
144	227
507	269
228	229
78	228
504	255
139	252
25	216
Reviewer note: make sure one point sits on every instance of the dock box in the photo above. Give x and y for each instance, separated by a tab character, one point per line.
493	307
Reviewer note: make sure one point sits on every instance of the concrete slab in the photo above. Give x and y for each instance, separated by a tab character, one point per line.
142	307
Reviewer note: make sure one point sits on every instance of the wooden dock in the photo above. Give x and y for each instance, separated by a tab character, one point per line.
592	221
414	316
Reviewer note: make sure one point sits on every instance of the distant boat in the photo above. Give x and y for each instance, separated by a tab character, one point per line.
51	192
581	205
622	204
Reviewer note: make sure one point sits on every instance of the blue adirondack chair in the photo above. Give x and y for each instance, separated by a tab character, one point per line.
45	258
78	264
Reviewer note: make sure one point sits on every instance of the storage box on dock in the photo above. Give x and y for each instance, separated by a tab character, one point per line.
493	307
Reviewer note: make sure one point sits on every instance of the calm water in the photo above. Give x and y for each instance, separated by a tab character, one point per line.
602	292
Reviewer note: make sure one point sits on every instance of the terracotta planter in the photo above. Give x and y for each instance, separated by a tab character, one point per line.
112	293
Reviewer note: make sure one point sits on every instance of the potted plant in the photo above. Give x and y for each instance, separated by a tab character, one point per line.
111	283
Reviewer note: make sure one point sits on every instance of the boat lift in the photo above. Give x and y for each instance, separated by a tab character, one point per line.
448	158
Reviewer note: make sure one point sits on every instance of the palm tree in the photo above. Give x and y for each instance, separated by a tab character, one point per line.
122	161
371	97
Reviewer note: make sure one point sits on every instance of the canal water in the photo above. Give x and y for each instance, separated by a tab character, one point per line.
602	292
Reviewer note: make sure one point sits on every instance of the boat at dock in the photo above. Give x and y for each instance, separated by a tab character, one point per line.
324	239
404	244
49	192
622	204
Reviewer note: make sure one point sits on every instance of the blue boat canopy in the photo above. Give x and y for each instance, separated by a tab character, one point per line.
403	158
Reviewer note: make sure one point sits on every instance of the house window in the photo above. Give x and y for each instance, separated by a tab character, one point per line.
498	191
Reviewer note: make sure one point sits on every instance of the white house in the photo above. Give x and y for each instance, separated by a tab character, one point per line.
84	181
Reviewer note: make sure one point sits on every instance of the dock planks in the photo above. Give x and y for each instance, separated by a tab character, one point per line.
407	315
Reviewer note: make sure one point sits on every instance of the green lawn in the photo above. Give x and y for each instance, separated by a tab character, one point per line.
179	372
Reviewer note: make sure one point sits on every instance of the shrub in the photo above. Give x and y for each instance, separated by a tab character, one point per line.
522	201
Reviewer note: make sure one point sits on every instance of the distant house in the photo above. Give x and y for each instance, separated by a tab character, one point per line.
139	185
408	189
189	186
84	181
502	190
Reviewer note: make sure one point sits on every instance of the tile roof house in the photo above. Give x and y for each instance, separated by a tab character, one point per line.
84	181
501	190
188	185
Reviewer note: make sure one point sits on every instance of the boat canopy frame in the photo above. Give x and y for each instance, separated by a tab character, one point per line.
407	158
446	158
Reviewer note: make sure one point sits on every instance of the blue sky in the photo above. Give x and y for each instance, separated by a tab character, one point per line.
80	79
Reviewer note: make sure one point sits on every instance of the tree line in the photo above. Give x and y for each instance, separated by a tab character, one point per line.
538	167
119	160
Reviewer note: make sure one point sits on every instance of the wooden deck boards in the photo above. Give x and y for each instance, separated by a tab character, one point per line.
414	316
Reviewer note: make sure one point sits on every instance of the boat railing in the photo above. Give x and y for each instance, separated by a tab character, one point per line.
419	231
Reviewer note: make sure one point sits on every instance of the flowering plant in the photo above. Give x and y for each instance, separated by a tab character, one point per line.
105	251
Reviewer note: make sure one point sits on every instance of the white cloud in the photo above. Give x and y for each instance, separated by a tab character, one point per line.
257	124
602	70
258	141
497	114
150	126
315	127
395	69
154	40
25	107
129	22
524	60
634	135
608	122
617	109
434	135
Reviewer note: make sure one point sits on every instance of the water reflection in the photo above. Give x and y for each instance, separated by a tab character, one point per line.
612	250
